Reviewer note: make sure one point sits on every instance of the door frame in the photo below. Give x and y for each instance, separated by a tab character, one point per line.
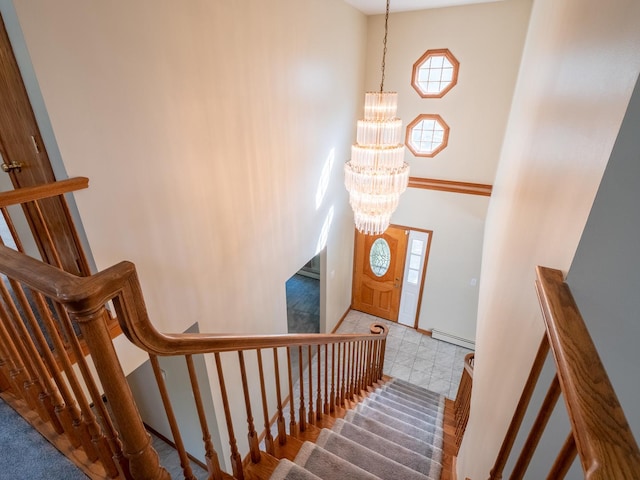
424	269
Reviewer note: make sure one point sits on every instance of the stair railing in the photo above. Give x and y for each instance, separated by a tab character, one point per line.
600	434
462	403
345	367
39	348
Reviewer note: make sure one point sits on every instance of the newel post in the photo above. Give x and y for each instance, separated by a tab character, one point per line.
142	459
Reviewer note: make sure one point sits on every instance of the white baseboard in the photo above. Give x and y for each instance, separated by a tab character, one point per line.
450	338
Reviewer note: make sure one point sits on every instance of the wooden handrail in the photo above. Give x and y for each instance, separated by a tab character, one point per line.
600	434
40	192
604	441
84	296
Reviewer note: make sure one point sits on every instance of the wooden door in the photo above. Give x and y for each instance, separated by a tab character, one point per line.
378	272
25	160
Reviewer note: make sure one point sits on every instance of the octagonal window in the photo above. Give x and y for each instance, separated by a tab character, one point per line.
435	73
427	135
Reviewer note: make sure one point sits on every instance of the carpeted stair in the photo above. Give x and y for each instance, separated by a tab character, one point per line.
394	433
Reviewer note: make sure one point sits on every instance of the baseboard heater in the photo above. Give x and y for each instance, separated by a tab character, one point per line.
448	337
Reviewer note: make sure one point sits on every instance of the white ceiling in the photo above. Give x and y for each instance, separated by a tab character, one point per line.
375	7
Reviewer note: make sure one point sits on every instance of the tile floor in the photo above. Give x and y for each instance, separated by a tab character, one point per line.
414	357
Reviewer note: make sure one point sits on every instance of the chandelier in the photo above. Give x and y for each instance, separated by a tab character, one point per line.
377	174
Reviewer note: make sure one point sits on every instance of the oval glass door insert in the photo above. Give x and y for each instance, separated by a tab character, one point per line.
380	257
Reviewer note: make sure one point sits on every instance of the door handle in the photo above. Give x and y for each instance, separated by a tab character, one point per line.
12	166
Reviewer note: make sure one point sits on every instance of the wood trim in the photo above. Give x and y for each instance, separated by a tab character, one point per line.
39	192
173	445
451	186
445	52
335	329
428	333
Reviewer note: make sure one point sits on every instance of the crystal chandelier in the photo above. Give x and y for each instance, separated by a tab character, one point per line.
377	174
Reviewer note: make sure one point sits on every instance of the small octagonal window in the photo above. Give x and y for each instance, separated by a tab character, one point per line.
427	135
435	73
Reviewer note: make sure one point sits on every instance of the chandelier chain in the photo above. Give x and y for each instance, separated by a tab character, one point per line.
384	49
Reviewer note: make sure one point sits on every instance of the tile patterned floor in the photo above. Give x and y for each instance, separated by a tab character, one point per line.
414	357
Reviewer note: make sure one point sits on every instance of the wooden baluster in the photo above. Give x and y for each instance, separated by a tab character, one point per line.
171	417
521	408
319	385
354	371
383	349
5	383
537	429
282	432
312	415
367	364
372	367
81	260
252	435
565	459
350	371
293	427
361	367
106	450
462	403
80	407
50	397
332	398
343	385
142	458
327	402
211	456
17	376
23	374
268	438
236	460
303	410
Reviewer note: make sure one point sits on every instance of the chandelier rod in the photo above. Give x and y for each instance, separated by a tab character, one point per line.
384	50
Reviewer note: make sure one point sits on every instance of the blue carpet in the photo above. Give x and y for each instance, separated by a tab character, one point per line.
24	453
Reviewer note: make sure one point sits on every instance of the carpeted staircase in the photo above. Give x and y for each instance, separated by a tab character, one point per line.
395	433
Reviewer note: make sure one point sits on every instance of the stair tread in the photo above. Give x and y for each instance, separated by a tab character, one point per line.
383	467
395	431
414	402
428	463
425	414
317	459
287	470
394	416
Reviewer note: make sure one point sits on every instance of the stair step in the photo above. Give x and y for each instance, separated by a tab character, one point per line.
393	431
373	462
328	466
429	464
423	414
288	470
412	402
400	421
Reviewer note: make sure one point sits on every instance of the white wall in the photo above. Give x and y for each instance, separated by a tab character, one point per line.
487	40
579	68
213	135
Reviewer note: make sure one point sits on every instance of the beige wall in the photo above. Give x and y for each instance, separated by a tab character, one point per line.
580	63
487	40
204	128
213	135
